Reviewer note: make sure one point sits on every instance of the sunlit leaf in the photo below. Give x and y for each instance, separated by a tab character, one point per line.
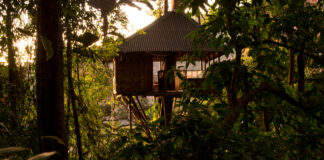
43	156
47	44
11	150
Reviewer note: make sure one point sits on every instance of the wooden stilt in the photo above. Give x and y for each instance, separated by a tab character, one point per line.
138	117
130	117
168	101
132	110
213	58
164	111
139	103
201	64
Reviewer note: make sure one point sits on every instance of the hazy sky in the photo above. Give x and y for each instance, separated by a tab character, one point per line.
137	18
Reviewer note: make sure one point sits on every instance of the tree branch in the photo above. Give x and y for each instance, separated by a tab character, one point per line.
294	49
266	87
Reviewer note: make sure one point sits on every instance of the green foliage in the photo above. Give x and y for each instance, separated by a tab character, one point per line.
18	127
245	108
277	122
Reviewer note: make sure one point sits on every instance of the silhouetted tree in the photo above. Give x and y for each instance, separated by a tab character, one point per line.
49	79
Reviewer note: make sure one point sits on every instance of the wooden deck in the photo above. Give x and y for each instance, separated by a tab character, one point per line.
175	93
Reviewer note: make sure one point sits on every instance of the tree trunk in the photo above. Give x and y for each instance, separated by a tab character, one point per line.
49	79
234	105
301	73
67	118
291	68
11	62
105	27
170	62
72	93
168	109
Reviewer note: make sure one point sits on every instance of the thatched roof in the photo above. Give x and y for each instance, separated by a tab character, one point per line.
166	34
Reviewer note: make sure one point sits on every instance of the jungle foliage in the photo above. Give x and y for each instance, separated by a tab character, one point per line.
265	103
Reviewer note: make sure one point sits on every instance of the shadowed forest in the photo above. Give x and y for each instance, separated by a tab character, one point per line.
227	79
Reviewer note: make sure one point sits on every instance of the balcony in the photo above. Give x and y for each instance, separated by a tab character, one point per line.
160	80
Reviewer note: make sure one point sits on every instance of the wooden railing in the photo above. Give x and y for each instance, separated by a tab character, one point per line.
192	74
155	82
188	74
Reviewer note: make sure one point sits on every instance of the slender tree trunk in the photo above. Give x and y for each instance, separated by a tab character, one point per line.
168	109
246	89
291	68
49	79
67	120
72	93
266	117
11	61
199	19
301	73
234	106
105	27
78	84
130	117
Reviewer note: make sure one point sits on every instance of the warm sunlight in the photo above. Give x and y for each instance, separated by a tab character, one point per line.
194	79
137	20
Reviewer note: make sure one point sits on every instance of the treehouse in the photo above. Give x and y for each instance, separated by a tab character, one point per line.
146	56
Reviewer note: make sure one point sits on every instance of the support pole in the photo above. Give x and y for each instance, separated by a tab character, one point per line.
167	101
201	64
213	58
130	116
165	7
141	107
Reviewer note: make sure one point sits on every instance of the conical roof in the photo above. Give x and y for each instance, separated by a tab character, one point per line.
166	34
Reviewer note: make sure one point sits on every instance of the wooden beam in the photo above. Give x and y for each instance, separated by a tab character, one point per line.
139	103
136	111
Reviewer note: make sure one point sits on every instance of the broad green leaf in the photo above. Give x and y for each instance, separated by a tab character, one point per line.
43	156
87	39
47	44
11	150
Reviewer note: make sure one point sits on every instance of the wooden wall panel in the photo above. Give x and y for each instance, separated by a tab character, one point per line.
134	73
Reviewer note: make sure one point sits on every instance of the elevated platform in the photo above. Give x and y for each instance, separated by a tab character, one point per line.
175	93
